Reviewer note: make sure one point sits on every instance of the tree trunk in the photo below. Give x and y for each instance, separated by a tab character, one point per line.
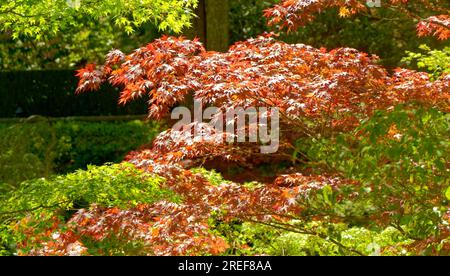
198	28
211	25
217	26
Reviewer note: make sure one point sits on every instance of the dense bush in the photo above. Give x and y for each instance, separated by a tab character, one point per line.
250	238
38	149
28	151
100	142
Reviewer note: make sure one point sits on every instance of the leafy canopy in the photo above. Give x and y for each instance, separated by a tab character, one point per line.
39	18
397	122
87	41
291	14
383	31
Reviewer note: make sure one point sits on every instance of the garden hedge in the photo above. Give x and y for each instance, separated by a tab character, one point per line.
51	93
40	149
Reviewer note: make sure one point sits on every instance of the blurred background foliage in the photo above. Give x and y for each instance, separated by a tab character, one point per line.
87	42
42	148
435	62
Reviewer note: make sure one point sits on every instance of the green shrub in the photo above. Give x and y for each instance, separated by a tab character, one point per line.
435	62
258	239
97	143
270	241
400	158
28	151
118	185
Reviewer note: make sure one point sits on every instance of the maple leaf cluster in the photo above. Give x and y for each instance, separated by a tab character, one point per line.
157	71
291	14
438	26
312	88
316	91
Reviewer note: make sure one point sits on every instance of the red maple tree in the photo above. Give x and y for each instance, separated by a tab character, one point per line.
318	93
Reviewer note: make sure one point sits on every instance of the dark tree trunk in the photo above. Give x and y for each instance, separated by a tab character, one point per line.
211	25
198	28
217	27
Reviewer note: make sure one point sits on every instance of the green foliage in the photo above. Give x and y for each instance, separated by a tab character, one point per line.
120	185
66	34
28	151
435	62
117	185
100	142
39	149
212	176
41	18
245	18
400	158
258	239
87	41
285	243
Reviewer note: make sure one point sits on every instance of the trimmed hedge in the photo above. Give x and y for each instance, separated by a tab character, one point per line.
52	93
44	148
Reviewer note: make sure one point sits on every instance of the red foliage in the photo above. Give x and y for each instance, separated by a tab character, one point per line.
90	78
438	26
336	87
316	92
157	70
291	14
